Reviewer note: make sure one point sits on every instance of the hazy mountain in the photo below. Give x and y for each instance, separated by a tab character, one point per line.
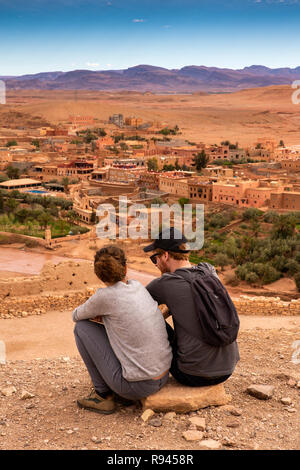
158	79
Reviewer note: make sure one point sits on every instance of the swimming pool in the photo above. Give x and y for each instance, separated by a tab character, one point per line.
35	191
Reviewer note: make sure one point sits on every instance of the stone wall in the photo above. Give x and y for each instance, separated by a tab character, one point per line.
63	277
23	306
41	304
68	284
247	305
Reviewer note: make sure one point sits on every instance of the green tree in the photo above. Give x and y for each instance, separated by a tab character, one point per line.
93	217
11	143
251	278
177	166
124	146
158	200
100	132
12	204
44	220
152	164
297	281
36	142
169	167
270	217
255	227
284	227
251	214
12	172
22	215
200	160
292	267
182	201
221	260
1	203
65	182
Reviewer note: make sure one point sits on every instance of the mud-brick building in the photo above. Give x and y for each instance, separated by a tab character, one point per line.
149	180
285	200
290	165
199	191
173	184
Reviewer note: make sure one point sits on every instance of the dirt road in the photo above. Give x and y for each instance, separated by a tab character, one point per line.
51	335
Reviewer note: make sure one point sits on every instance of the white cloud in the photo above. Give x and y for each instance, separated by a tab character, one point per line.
272	2
92	64
136	20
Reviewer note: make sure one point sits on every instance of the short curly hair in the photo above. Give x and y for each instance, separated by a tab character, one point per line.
110	264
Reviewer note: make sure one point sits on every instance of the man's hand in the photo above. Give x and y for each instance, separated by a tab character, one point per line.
164	310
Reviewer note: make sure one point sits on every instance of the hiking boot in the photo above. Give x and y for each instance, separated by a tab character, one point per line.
94	402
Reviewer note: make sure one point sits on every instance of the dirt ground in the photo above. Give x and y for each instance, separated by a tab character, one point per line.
42	360
243	116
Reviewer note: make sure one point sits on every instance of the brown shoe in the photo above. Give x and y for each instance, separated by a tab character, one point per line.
98	404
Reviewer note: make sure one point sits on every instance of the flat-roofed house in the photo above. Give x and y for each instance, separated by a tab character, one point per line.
19	184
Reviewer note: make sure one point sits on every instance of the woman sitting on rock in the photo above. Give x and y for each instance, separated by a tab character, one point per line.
129	354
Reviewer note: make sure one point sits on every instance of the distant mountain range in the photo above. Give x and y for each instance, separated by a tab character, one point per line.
157	79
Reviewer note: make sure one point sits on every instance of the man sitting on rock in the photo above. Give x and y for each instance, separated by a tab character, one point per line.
195	363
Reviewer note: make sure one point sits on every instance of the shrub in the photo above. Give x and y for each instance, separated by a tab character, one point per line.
32	243
279	263
284	227
270	217
219	220
251	214
292	267
297	281
241	272
221	260
270	274
215	235
252	278
231	248
231	280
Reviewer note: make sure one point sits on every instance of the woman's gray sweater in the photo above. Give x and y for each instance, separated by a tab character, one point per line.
135	328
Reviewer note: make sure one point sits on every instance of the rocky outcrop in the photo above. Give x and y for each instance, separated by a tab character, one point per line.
182	399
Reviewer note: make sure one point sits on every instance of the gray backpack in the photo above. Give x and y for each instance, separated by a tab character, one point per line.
215	310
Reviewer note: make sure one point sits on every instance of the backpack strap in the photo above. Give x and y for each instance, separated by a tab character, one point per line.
189	276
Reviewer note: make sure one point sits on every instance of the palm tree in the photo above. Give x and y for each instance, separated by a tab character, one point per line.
44	220
65	183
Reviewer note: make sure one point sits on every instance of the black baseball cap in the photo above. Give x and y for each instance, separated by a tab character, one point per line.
168	240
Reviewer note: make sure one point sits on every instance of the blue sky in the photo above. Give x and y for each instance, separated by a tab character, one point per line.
42	35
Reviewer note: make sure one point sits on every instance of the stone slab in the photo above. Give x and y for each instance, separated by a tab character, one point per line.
181	399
